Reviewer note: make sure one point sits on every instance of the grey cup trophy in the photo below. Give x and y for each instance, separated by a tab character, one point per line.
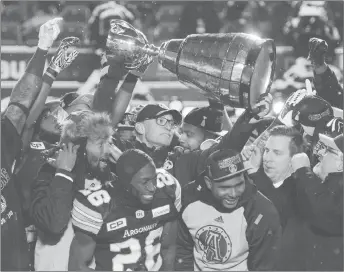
234	68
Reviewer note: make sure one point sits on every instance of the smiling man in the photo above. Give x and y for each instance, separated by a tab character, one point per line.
226	224
127	226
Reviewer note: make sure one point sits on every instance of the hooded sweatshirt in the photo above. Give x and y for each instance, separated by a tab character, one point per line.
213	238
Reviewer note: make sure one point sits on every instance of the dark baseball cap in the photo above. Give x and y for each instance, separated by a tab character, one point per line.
127	123
224	164
152	111
313	110
207	118
73	98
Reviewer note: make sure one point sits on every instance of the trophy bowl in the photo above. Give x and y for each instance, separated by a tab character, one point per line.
127	45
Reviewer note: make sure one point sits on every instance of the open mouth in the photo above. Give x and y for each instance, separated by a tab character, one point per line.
103	162
231	201
147	197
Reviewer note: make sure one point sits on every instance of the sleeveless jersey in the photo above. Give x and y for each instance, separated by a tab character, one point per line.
127	237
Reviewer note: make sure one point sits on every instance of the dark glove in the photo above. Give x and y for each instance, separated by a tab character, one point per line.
61	60
317	50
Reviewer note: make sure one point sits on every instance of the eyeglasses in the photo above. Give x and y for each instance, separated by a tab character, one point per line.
322	150
161	121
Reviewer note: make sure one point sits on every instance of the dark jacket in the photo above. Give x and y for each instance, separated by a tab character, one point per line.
26	171
328	87
14	247
213	238
282	197
294	229
322	205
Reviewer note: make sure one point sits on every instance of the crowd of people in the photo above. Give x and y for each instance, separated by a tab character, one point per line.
86	185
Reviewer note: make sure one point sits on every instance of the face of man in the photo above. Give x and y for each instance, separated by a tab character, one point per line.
330	161
227	192
97	153
191	137
144	183
126	134
276	158
159	131
51	121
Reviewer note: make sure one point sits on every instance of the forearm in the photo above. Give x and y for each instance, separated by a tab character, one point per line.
122	98
327	85
26	89
106	90
38	105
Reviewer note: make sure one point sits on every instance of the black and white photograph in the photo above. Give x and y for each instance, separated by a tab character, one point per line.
172	135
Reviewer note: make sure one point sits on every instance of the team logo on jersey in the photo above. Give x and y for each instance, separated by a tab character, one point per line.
37	145
115	225
3	204
4	178
161	211
215	244
129	233
92	184
168	165
140	214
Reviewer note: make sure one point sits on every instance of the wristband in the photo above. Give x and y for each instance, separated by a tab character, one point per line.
21	106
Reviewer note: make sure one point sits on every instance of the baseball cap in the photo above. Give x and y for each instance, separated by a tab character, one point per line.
336	143
207	118
313	110
73	98
130	162
152	111
223	164
127	122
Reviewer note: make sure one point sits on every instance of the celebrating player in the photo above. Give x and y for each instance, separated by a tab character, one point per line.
128	225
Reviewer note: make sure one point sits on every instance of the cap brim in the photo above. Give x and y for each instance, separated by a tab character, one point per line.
328	141
231	175
220	133
122	127
177	116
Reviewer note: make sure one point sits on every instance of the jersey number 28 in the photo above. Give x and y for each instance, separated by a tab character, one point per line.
134	246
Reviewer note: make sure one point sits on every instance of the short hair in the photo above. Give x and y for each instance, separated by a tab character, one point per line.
297	143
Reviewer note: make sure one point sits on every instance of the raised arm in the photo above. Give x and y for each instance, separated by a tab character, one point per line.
29	85
59	62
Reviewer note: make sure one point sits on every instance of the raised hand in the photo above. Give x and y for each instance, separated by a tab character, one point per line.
262	107
48	32
61	60
66	157
286	115
252	156
317	50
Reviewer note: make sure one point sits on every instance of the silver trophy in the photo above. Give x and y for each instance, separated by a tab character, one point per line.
234	68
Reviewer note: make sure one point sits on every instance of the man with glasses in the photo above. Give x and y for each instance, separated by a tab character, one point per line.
320	199
155	127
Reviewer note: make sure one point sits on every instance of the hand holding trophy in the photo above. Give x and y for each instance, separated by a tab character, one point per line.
233	68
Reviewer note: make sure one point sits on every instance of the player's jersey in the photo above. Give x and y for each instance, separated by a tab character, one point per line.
127	234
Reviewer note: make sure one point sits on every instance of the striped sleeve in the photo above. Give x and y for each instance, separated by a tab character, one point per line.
85	216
